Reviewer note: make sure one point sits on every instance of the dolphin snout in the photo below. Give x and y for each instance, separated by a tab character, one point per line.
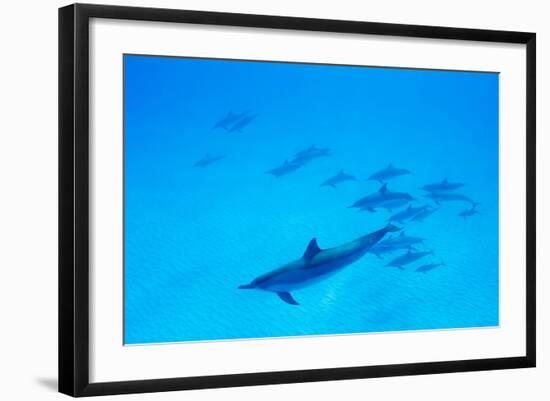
246	287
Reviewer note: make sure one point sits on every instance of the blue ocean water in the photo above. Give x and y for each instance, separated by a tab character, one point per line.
193	234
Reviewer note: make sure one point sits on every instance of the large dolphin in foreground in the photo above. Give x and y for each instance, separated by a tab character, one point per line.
316	264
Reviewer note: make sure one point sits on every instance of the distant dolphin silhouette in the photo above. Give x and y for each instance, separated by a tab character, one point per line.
407	258
439	197
306	155
444	185
383	198
388	173
305	152
243	122
208	160
229	119
284	169
470	212
407	214
392	244
316	264
338	179
390	204
430	266
421	216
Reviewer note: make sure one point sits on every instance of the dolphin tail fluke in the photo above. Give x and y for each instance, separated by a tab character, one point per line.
287	297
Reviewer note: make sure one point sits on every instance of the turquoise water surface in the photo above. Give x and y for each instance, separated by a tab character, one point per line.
204	215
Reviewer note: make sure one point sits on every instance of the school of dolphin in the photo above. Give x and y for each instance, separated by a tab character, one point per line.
317	264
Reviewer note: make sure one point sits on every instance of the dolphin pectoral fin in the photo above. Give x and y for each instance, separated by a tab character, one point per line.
287	297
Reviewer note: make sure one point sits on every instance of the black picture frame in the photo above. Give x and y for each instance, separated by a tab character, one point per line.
74	194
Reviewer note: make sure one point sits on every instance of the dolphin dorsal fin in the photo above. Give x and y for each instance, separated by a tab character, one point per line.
384	188
444	180
312	249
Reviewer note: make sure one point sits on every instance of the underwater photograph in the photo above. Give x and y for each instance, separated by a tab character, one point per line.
267	199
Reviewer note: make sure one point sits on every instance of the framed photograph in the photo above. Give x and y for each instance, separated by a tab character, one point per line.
250	199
